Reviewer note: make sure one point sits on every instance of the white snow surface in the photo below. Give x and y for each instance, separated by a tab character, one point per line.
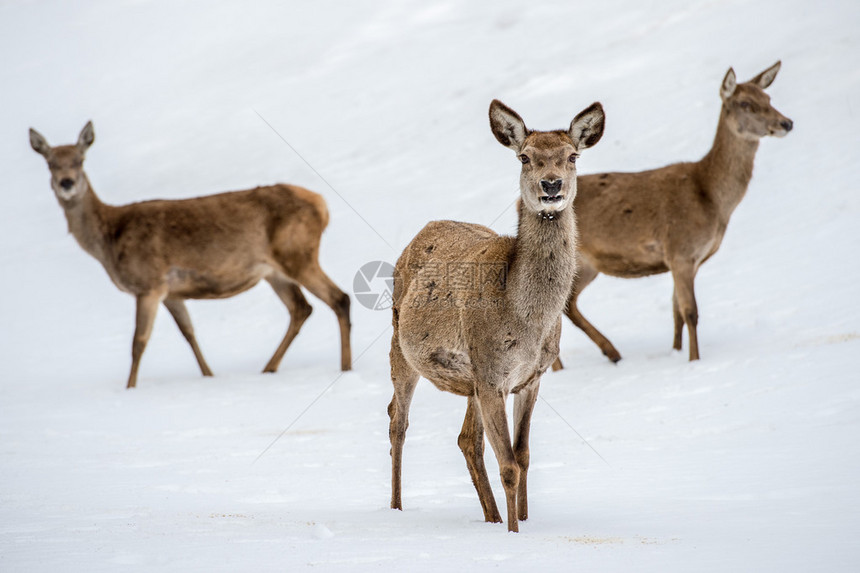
744	461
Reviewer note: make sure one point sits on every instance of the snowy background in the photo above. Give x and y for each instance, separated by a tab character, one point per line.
744	461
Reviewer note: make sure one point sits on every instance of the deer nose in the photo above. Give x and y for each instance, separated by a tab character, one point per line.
551	188
67	183
787	124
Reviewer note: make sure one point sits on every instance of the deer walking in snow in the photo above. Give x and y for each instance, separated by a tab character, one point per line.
479	315
673	218
207	247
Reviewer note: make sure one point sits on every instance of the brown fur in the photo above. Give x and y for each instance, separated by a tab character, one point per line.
207	247
479	315
674	218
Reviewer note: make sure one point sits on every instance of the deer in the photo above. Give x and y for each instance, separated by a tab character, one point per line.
673	219
210	247
479	315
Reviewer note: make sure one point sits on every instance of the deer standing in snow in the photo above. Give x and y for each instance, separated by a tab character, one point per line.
207	247
479	315
673	218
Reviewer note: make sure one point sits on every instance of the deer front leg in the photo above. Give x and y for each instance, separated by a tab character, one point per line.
147	306
524	404
495	419
471	442
179	312
684	276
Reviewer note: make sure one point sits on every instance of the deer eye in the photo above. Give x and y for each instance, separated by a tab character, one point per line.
524	159
745	104
572	157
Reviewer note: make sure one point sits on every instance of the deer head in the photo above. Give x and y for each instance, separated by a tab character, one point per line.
548	176
747	108
66	163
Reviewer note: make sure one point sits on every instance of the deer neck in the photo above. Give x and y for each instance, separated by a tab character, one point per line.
86	217
728	167
544	264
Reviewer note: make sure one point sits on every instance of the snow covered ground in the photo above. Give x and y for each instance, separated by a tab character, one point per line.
744	461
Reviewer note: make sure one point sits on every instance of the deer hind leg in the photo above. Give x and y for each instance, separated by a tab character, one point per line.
684	276
299	309
586	274
471	442
496	425
317	282
147	307
404	378
179	312
678	319
524	404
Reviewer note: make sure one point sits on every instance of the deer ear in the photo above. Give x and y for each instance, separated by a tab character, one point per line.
730	82
766	78
508	127
87	136
39	143
586	129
